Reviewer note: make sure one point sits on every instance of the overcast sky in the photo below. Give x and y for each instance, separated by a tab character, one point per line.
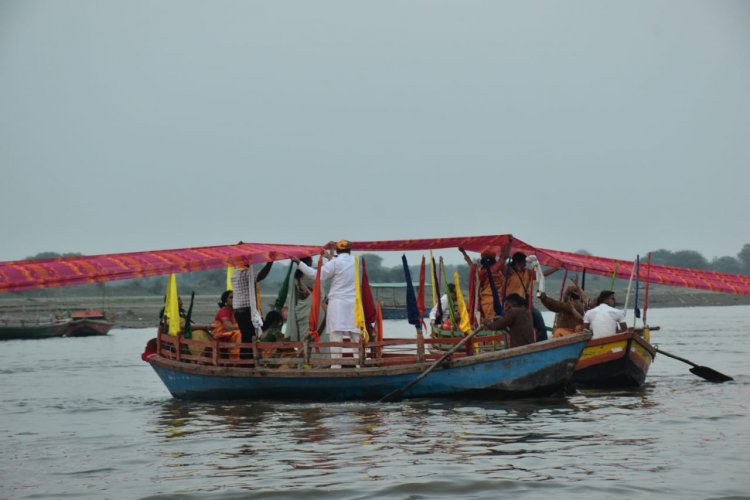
615	127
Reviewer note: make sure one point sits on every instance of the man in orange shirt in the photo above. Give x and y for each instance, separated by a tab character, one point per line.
519	282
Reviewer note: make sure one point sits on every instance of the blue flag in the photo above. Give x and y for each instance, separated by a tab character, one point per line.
412	310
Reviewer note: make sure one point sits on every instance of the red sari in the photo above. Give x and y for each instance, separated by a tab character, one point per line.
223	334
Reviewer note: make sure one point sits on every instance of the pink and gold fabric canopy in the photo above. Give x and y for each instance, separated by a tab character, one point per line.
30	274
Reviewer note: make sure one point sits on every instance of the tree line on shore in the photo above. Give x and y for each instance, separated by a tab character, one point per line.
214	281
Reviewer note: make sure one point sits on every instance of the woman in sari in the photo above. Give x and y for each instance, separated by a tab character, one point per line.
225	328
300	304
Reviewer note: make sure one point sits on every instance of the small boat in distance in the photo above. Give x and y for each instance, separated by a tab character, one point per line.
27	330
88	322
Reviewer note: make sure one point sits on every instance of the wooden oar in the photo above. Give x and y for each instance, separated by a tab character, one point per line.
702	371
398	393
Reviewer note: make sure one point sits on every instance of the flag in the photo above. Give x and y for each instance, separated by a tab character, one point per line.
447	292
188	333
637	311
230	272
379	327
171	306
420	295
411	299
315	307
473	296
464	323
614	275
368	303
435	294
359	313
284	290
436	291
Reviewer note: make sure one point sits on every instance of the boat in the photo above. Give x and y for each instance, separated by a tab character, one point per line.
89	322
620	360
34	330
42	273
194	370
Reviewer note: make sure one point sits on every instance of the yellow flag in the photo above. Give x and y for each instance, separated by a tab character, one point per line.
359	312
230	272
171	307
464	323
435	298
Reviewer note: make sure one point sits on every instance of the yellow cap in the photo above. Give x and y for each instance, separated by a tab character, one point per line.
343	245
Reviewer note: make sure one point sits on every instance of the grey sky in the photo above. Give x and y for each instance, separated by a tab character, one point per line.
617	127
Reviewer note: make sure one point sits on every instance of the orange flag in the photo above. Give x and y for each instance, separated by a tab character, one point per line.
315	308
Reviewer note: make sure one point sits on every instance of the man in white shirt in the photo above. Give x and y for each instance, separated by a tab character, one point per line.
444	305
340	312
604	319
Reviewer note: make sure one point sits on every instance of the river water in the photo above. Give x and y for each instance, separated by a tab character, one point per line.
86	418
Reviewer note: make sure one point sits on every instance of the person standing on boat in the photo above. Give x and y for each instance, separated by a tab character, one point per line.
519	282
569	311
605	320
340	313
299	304
517	320
488	260
248	317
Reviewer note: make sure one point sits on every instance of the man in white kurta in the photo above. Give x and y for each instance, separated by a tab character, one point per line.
340	314
604	320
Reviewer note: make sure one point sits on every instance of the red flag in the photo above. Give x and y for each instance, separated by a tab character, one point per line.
368	304
379	333
315	308
420	297
473	294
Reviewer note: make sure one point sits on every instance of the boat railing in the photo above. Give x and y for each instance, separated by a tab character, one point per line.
308	354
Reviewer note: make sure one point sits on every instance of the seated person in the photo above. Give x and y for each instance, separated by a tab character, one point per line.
444	306
272	333
604	320
224	327
570	311
272	327
517	320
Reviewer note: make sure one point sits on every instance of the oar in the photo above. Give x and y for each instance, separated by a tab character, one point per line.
702	371
396	395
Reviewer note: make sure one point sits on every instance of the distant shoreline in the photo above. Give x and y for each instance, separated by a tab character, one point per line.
143	311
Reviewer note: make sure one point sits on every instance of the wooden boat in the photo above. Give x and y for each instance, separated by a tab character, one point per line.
88	322
374	370
620	360
27	330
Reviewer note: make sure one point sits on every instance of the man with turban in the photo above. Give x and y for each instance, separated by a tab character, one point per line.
340	313
490	268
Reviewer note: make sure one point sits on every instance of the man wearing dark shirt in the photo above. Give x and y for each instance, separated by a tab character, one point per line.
517	320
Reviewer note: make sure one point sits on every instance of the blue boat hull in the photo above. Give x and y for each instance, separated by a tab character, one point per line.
539	368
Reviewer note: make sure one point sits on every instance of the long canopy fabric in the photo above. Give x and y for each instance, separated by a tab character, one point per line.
31	274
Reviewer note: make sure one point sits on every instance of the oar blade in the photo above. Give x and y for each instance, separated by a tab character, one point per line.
710	374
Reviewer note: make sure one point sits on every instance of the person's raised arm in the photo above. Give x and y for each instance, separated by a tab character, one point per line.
264	272
466	257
